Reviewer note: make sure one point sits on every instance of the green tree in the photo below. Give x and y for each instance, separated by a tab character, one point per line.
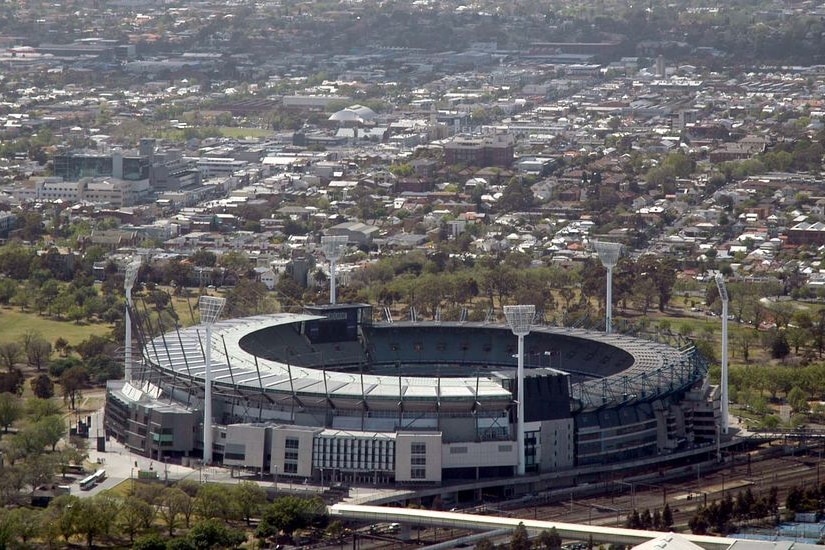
213	502
135	515
780	347
550	540
188	507
516	197
151	541
248	498
15	261
289	292
172	504
94	346
73	380
289	513
798	400
36	348
50	430
8	529
520	539
667	517
235	262
11	410
94	517
61	345
42	386
25	522
208	534
59	519
646	519
10	354
204	258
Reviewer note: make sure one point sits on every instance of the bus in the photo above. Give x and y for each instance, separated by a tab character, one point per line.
91	480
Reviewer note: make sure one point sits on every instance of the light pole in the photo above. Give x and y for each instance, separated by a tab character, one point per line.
520	318
333	247
609	255
723	294
129	282
210	308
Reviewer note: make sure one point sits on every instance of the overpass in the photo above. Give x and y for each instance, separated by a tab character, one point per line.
457	520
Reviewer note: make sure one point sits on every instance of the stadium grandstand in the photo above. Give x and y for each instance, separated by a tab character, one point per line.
330	394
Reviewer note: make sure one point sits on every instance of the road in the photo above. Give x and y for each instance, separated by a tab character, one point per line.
120	464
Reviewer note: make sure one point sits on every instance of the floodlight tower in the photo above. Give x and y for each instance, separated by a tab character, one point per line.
723	294
333	247
520	318
210	308
128	283
609	255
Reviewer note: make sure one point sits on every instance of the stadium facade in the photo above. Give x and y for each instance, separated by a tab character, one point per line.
330	395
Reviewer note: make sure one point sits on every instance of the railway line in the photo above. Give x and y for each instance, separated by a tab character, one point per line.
686	496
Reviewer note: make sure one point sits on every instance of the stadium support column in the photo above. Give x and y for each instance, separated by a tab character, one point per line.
609	255
723	294
520	318
210	308
333	247
129	282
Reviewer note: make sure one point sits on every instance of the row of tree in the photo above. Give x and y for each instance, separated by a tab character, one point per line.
31	456
720	516
658	521
176	517
548	539
77	300
806	499
435	281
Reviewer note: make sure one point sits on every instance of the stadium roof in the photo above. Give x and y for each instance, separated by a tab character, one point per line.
656	369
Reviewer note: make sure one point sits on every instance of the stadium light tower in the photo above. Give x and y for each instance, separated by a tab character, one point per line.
128	283
609	255
723	293
210	308
333	247
520	318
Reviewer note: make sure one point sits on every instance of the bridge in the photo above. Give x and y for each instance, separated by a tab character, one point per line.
571	531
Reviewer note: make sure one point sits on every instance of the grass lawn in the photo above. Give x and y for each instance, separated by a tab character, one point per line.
13	324
122	489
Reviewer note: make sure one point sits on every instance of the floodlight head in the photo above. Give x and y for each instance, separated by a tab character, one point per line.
520	318
608	252
720	284
210	308
333	246
132	269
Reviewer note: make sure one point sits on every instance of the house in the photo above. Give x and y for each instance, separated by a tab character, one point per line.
267	276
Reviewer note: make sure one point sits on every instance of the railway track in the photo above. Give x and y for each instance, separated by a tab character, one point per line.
685	497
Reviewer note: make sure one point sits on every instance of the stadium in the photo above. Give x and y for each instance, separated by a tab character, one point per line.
331	394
